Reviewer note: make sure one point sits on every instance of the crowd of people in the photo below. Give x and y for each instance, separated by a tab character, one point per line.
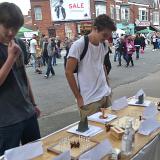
126	45
43	51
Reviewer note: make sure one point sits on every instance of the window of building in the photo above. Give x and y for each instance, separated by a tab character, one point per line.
125	14
38	13
100	9
112	12
155	18
117	12
143	14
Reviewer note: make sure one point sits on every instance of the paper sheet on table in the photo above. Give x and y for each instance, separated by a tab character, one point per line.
148	126
95	117
139	93
150	111
133	102
24	152
92	131
98	152
64	156
119	103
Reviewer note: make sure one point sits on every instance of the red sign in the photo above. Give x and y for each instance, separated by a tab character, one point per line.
76	5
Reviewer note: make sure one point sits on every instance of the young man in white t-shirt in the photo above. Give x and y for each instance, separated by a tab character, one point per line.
91	90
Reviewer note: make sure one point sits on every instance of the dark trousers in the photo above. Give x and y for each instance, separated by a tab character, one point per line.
24	132
137	52
49	67
154	45
130	60
125	56
45	59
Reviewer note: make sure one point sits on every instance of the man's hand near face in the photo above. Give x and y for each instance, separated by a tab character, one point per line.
13	50
13	53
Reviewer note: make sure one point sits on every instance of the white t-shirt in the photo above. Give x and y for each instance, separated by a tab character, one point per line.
33	44
91	75
154	38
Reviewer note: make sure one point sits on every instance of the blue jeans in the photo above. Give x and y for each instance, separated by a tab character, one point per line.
158	43
137	52
54	62
119	58
115	55
24	132
49	67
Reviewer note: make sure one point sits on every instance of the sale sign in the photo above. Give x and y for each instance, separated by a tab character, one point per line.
68	10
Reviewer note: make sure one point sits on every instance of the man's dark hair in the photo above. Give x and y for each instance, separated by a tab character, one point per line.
103	21
11	15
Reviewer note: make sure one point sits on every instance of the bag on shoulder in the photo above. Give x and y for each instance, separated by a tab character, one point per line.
26	54
86	42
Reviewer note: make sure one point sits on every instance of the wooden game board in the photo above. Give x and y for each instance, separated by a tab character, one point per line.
75	152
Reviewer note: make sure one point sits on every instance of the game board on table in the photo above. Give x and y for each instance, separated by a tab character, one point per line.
76	144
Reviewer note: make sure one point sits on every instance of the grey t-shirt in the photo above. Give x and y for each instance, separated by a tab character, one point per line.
15	103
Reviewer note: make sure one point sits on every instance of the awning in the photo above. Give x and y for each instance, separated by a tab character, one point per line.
145	31
25	32
23	29
156	28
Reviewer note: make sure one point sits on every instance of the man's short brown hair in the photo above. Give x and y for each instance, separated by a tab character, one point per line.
11	15
103	21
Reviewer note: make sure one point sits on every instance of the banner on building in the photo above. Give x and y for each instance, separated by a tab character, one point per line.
68	10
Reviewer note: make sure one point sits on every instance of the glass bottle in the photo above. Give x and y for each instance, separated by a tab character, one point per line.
131	132
126	145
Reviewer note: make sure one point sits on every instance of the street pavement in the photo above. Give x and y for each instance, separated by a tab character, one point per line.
57	102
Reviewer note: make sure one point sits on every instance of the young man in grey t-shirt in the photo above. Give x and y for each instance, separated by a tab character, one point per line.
18	111
92	89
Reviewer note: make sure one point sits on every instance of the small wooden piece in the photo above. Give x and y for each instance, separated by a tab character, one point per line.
158	106
75	144
117	132
103	116
108	127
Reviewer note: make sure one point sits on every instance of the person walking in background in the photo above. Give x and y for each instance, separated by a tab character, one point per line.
67	44
116	45
154	39
130	50
137	44
42	38
54	57
143	43
51	51
38	57
121	50
33	48
18	110
44	51
58	47
158	40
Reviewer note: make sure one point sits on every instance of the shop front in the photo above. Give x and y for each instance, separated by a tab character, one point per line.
128	28
84	27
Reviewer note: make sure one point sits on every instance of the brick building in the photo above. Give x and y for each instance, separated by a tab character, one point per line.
129	15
